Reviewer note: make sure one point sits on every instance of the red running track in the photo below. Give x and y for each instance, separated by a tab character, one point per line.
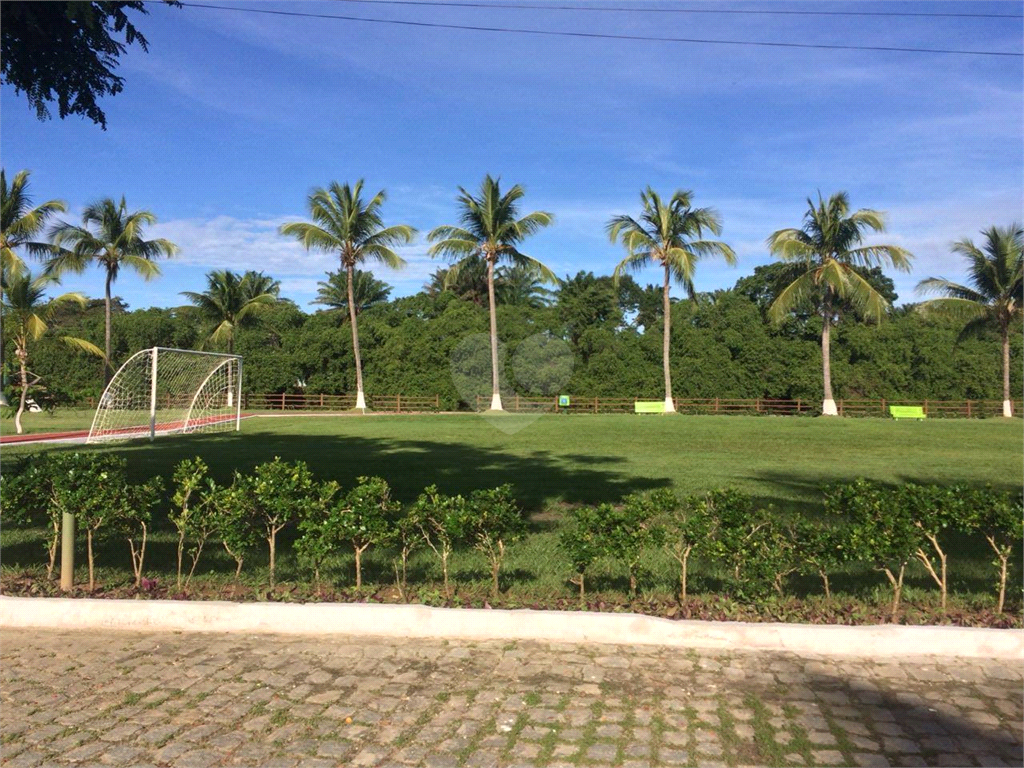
167	426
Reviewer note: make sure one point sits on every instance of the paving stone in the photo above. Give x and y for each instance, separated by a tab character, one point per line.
827	757
900	746
121	754
431	703
824	738
870	760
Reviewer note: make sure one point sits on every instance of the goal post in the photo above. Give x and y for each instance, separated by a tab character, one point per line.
162	390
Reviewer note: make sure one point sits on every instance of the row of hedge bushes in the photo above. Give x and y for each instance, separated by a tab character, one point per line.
883	527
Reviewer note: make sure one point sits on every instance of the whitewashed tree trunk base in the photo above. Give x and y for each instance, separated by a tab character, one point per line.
828	408
360	402
1007	409
670	406
496	403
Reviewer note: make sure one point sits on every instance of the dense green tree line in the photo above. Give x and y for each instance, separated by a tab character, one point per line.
723	345
751	341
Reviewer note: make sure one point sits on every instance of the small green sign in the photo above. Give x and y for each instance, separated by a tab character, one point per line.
563	401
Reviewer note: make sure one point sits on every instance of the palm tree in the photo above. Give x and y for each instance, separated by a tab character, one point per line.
522	286
491	230
997	273
670	235
828	253
468	281
366	290
20	224
116	243
29	313
233	301
344	223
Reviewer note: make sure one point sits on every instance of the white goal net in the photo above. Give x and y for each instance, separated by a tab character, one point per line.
163	391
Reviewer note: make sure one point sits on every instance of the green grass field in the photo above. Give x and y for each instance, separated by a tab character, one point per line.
570	459
61	420
588	458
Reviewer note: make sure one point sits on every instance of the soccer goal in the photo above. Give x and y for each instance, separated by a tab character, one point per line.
165	391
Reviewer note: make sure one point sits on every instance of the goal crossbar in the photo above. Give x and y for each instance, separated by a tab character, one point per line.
166	390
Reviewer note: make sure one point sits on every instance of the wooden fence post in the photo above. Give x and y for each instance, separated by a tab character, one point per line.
883	406
282	401
926	406
716	405
968	409
595	405
437	402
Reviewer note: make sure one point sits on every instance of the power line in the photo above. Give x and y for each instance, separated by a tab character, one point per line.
757	12
602	36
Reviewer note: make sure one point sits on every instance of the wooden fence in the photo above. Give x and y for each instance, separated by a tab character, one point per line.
323	402
757	406
942	409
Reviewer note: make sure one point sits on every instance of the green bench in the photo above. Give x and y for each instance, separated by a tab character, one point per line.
907	412
649	406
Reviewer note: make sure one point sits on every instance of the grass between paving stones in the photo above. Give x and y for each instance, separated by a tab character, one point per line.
554	463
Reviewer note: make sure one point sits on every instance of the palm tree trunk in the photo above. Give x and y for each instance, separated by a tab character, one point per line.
495	392
24	394
360	397
107	371
666	344
1007	403
828	407
3	397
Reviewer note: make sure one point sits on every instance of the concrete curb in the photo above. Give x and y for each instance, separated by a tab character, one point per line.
410	621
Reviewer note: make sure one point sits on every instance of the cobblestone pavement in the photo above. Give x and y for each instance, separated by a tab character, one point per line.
126	699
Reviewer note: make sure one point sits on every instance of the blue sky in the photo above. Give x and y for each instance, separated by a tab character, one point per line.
231	119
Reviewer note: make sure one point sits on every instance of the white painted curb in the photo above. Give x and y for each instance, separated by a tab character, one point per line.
409	621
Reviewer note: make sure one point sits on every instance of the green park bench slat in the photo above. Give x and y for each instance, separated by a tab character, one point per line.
907	412
649	406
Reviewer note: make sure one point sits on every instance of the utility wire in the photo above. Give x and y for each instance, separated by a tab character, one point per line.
753	12
602	36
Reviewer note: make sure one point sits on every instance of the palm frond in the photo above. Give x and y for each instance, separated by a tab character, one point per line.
141	265
312	237
454	248
932	285
85	346
880	255
965	310
868	301
794	294
381	254
634	262
791	245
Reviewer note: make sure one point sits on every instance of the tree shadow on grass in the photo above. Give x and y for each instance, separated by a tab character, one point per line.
537	478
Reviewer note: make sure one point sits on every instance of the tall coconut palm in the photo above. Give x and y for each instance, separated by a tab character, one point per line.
353	228
828	248
491	230
366	290
28	312
20	224
997	273
233	301
670	235
112	238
